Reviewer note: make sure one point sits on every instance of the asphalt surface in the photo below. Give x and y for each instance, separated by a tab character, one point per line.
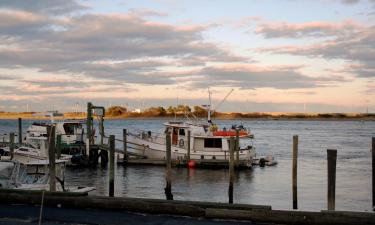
25	214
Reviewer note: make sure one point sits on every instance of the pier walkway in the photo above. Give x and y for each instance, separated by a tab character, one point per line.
28	214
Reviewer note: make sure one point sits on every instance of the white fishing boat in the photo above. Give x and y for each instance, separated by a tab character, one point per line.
206	140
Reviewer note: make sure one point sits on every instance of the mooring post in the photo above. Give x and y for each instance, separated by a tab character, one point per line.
125	140
58	146
51	157
101	128
373	173
331	193
111	165
168	187
89	128
11	145
231	169
294	184
188	146
237	148
19	130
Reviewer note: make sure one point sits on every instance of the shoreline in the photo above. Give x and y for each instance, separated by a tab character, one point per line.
217	116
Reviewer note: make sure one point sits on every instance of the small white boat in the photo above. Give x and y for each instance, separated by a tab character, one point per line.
34	176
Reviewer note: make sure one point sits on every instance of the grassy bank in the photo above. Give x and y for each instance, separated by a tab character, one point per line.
216	115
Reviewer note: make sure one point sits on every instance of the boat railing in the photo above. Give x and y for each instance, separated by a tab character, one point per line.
154	137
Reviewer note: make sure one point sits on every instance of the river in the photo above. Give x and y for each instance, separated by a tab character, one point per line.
268	185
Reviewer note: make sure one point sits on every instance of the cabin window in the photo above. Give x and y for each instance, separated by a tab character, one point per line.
182	132
69	129
212	143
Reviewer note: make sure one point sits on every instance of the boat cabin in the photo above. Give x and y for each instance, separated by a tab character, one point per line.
202	137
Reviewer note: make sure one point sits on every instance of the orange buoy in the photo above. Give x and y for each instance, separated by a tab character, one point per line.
191	164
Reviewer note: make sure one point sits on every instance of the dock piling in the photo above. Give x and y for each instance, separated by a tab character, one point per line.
58	146
11	145
373	173
168	187
19	130
237	148
51	157
125	143
188	146
331	193
294	184
111	166
231	169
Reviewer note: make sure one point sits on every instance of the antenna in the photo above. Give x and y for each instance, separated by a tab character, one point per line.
221	102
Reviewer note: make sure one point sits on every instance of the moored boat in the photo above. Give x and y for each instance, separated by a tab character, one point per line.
206	142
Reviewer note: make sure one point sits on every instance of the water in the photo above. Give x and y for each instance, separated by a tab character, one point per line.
270	185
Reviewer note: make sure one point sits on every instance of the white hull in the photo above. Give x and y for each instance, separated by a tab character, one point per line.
153	150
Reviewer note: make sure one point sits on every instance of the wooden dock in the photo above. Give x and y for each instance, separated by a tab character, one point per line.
194	209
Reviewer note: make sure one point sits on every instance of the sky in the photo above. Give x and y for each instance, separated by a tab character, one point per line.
277	55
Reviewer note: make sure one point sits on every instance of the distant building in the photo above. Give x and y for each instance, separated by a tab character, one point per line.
137	110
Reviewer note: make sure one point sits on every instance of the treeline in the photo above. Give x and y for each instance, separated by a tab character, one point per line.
159	111
199	111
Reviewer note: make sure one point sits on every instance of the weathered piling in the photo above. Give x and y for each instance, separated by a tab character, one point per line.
373	173
294	184
111	165
237	148
231	169
51	157
11	145
125	143
331	192
188	145
20	130
168	186
58	146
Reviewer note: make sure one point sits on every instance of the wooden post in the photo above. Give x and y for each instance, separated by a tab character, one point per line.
111	166
58	146
188	146
88	128
373	173
331	193
231	169
19	130
168	187
294	182
101	128
237	148
11	145
51	157
125	140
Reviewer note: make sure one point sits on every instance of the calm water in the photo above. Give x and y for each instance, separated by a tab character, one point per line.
270	185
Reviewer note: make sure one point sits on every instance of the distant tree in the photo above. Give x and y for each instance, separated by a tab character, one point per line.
171	110
200	111
155	111
183	109
116	111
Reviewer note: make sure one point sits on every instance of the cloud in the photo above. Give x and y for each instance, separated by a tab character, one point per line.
247	76
355	47
122	47
55	7
8	77
309	29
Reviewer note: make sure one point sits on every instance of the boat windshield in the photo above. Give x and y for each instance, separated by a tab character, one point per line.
70	128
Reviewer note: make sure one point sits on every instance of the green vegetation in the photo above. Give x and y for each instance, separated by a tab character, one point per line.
199	111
